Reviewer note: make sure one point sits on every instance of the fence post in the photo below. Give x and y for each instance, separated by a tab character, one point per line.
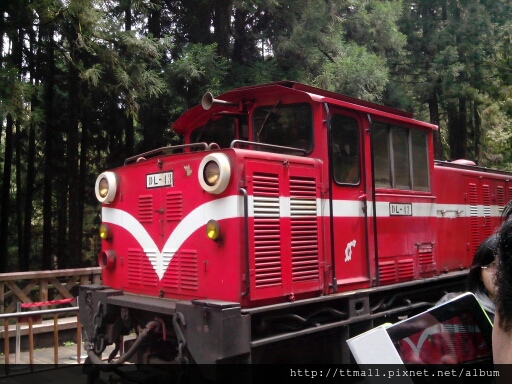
2	297
78	335
6	345
55	340
18	336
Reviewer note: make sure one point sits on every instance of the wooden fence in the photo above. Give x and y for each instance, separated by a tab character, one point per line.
42	286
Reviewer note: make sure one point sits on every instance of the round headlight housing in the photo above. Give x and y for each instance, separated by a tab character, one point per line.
214	173
106	187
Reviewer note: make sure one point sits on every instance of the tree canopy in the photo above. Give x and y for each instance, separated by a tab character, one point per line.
85	84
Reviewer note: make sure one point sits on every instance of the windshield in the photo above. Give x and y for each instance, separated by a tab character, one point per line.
287	125
222	130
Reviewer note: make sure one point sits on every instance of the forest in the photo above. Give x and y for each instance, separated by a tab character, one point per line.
85	84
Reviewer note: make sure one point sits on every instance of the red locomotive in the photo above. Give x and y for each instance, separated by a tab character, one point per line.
290	216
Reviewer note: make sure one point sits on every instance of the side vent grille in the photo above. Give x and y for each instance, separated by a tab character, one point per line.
387	272
267	249
426	259
146	209
474	217
304	229
392	271
487	210
182	273
500	197
406	269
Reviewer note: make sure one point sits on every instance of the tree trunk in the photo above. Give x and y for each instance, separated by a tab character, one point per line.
433	107
75	225
457	126
20	196
5	201
47	262
477	129
221	25
30	173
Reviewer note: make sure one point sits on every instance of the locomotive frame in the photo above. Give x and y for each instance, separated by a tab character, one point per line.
299	249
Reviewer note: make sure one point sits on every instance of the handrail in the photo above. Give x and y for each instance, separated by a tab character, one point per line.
301	151
35	286
40	312
46	274
7	316
163	150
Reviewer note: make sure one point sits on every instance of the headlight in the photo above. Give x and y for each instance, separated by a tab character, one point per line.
211	173
106	187
214	173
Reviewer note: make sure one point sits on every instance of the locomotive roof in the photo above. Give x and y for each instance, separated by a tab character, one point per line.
198	116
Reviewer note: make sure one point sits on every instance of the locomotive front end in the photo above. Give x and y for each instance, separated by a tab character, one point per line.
163	221
171	238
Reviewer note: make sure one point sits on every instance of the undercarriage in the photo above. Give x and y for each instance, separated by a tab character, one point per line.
173	336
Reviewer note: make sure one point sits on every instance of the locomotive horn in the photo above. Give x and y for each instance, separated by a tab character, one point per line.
208	100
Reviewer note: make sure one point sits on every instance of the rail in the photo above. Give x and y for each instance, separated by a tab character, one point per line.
40	292
29	316
29	287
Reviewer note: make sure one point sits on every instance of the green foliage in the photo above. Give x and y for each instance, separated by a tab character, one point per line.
356	72
106	79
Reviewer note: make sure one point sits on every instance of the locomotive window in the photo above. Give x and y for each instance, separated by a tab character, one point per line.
222	131
400	157
420	169
381	156
345	149
287	125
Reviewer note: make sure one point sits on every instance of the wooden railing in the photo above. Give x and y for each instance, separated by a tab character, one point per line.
42	286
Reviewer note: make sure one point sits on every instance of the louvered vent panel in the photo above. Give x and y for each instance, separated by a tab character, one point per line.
172	275
304	229
182	273
387	272
134	264
149	277
174	206
188	268
406	269
146	209
267	240
500	197
486	195
474	217
426	259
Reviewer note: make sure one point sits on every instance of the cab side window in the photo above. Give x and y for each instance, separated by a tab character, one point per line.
400	157
345	149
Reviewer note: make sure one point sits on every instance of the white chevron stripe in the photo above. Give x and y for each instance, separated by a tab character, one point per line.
224	209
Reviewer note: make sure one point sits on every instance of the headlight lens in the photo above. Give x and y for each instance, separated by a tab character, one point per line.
103	187
214	173
211	173
106	187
